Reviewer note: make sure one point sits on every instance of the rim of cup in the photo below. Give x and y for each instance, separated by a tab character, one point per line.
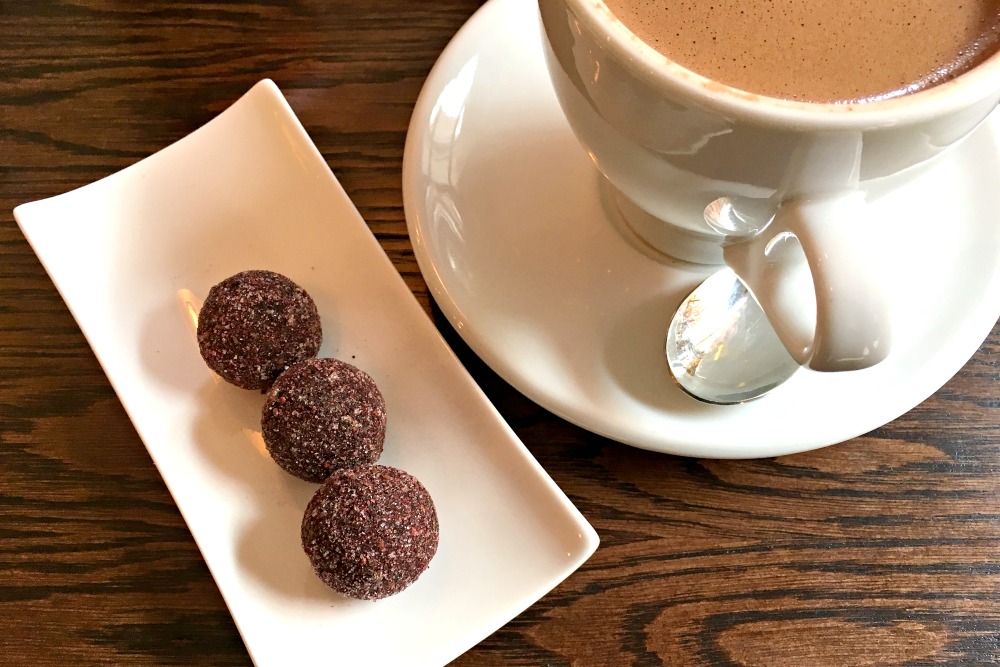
966	89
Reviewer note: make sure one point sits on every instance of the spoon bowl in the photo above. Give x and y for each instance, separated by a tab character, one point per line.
721	348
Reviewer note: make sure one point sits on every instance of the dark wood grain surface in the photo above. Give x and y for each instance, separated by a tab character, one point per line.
881	551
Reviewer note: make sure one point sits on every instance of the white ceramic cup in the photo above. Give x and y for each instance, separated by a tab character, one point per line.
776	189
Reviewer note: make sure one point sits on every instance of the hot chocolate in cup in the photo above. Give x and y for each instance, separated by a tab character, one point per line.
819	51
762	178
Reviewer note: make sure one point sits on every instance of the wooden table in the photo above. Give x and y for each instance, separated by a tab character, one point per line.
883	550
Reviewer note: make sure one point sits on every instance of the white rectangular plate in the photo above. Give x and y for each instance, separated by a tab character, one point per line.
133	255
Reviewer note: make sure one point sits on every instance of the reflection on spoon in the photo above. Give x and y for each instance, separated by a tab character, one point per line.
720	346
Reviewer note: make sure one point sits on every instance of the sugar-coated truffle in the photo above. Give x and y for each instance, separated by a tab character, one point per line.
254	325
370	531
322	415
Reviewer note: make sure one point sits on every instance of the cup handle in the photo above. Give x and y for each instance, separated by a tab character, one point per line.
843	322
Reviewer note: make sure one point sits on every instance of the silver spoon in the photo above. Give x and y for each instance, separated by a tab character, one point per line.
720	346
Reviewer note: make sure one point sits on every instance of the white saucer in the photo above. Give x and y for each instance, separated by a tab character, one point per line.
511	229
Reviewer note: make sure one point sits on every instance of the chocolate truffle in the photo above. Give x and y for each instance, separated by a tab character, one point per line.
256	324
369	532
322	415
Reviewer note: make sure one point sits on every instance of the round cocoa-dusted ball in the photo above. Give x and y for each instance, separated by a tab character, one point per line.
369	532
256	324
322	415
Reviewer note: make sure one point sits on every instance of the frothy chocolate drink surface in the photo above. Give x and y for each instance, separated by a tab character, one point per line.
819	50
